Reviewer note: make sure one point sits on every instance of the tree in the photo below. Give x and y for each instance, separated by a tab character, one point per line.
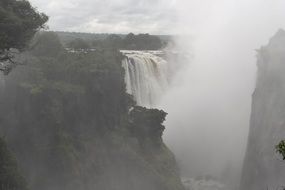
46	44
113	41
79	44
19	21
280	148
10	177
142	42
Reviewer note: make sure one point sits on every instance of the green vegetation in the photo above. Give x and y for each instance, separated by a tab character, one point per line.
120	41
9	174
280	148
147	124
66	117
72	125
142	42
113	41
78	44
19	21
67	37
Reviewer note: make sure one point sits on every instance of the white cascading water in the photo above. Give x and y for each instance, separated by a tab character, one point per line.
146	76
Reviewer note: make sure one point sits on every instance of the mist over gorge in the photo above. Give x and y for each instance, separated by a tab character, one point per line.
142	95
263	166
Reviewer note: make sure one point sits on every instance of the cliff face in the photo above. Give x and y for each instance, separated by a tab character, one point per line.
71	125
263	167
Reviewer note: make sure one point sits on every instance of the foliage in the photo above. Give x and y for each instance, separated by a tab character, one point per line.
147	123
10	177
67	37
19	21
142	42
73	126
280	148
113	41
78	44
61	97
46	44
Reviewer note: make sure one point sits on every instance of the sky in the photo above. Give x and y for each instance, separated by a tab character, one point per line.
110	16
154	16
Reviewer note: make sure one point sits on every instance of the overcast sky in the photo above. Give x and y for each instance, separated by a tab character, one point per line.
154	16
110	16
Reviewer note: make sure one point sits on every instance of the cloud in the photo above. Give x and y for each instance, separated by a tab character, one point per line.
110	16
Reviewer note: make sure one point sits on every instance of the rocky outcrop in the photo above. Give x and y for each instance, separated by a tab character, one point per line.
263	167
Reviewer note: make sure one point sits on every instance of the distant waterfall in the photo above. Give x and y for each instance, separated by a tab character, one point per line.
145	76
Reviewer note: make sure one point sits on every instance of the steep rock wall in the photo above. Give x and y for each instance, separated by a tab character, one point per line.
263	167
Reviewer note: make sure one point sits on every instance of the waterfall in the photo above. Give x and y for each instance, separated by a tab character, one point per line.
146	76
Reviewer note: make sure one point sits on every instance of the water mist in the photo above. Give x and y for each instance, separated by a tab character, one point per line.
210	100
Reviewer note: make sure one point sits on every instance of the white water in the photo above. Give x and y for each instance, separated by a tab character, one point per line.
146	76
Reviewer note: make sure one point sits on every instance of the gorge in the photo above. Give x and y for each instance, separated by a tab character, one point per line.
263	166
142	95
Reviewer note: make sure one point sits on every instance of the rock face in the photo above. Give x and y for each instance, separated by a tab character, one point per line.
263	167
